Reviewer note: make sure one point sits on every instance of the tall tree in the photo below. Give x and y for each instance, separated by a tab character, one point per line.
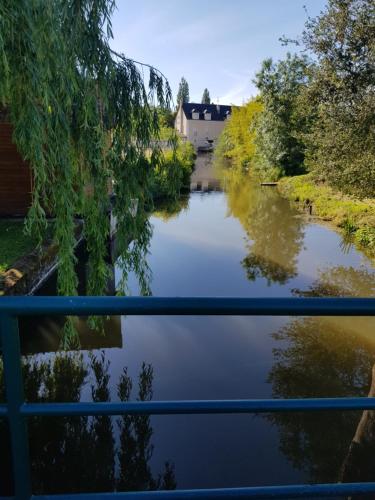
206	99
183	92
341	144
280	126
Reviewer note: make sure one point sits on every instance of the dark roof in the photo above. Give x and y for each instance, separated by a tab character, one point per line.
218	112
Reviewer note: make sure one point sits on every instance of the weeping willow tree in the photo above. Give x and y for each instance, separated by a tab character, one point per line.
85	120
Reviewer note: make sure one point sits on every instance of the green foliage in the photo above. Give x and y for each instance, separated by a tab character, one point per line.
82	117
318	116
365	236
206	99
341	142
279	128
355	217
173	173
183	92
166	118
237	140
13	242
265	136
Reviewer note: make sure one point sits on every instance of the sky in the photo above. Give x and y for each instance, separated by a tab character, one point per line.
218	44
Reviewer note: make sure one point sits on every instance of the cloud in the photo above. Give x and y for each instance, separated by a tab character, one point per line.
237	94
185	34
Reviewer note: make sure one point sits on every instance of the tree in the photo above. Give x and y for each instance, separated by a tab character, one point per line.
183	92
280	127
82	117
341	146
206	99
237	140
166	117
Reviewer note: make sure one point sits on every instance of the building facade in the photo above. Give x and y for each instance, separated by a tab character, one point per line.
201	123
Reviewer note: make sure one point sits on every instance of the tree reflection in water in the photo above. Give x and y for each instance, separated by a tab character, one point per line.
76	454
131	252
328	357
133	236
169	209
341	281
354	363
275	232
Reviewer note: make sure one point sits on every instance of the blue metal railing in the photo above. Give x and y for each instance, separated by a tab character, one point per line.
16	410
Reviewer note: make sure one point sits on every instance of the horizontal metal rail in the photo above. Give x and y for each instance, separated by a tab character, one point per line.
206	306
262	492
17	411
199	407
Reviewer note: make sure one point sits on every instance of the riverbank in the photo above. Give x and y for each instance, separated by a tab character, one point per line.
13	242
24	265
356	218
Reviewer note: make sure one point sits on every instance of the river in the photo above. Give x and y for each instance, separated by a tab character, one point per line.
228	237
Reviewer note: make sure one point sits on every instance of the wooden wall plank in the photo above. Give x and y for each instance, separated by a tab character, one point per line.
15	176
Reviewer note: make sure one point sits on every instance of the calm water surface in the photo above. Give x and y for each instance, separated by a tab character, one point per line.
245	241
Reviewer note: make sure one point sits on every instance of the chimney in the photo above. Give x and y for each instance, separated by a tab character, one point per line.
218	108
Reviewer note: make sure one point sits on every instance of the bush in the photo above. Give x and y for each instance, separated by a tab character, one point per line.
173	174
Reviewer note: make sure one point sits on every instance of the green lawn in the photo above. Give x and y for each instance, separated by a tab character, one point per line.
13	242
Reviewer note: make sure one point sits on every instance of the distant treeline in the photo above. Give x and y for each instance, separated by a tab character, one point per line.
316	109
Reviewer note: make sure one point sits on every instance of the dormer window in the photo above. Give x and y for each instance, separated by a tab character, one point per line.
227	114
195	114
207	115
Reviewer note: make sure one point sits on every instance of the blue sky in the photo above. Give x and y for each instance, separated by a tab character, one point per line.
218	44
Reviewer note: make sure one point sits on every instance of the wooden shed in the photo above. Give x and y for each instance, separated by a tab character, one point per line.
15	176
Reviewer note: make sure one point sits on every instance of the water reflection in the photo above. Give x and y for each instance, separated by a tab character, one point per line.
341	281
204	178
133	236
275	232
169	209
318	357
43	334
86	453
197	247
359	464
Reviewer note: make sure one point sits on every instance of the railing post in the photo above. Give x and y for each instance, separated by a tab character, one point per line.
10	343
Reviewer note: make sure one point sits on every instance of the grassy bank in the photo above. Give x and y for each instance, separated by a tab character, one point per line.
13	242
355	217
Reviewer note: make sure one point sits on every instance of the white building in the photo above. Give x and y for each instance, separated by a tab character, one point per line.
200	123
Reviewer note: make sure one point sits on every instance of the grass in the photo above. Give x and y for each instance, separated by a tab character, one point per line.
355	217
13	242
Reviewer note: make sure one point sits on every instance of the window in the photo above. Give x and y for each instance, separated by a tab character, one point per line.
207	116
195	115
